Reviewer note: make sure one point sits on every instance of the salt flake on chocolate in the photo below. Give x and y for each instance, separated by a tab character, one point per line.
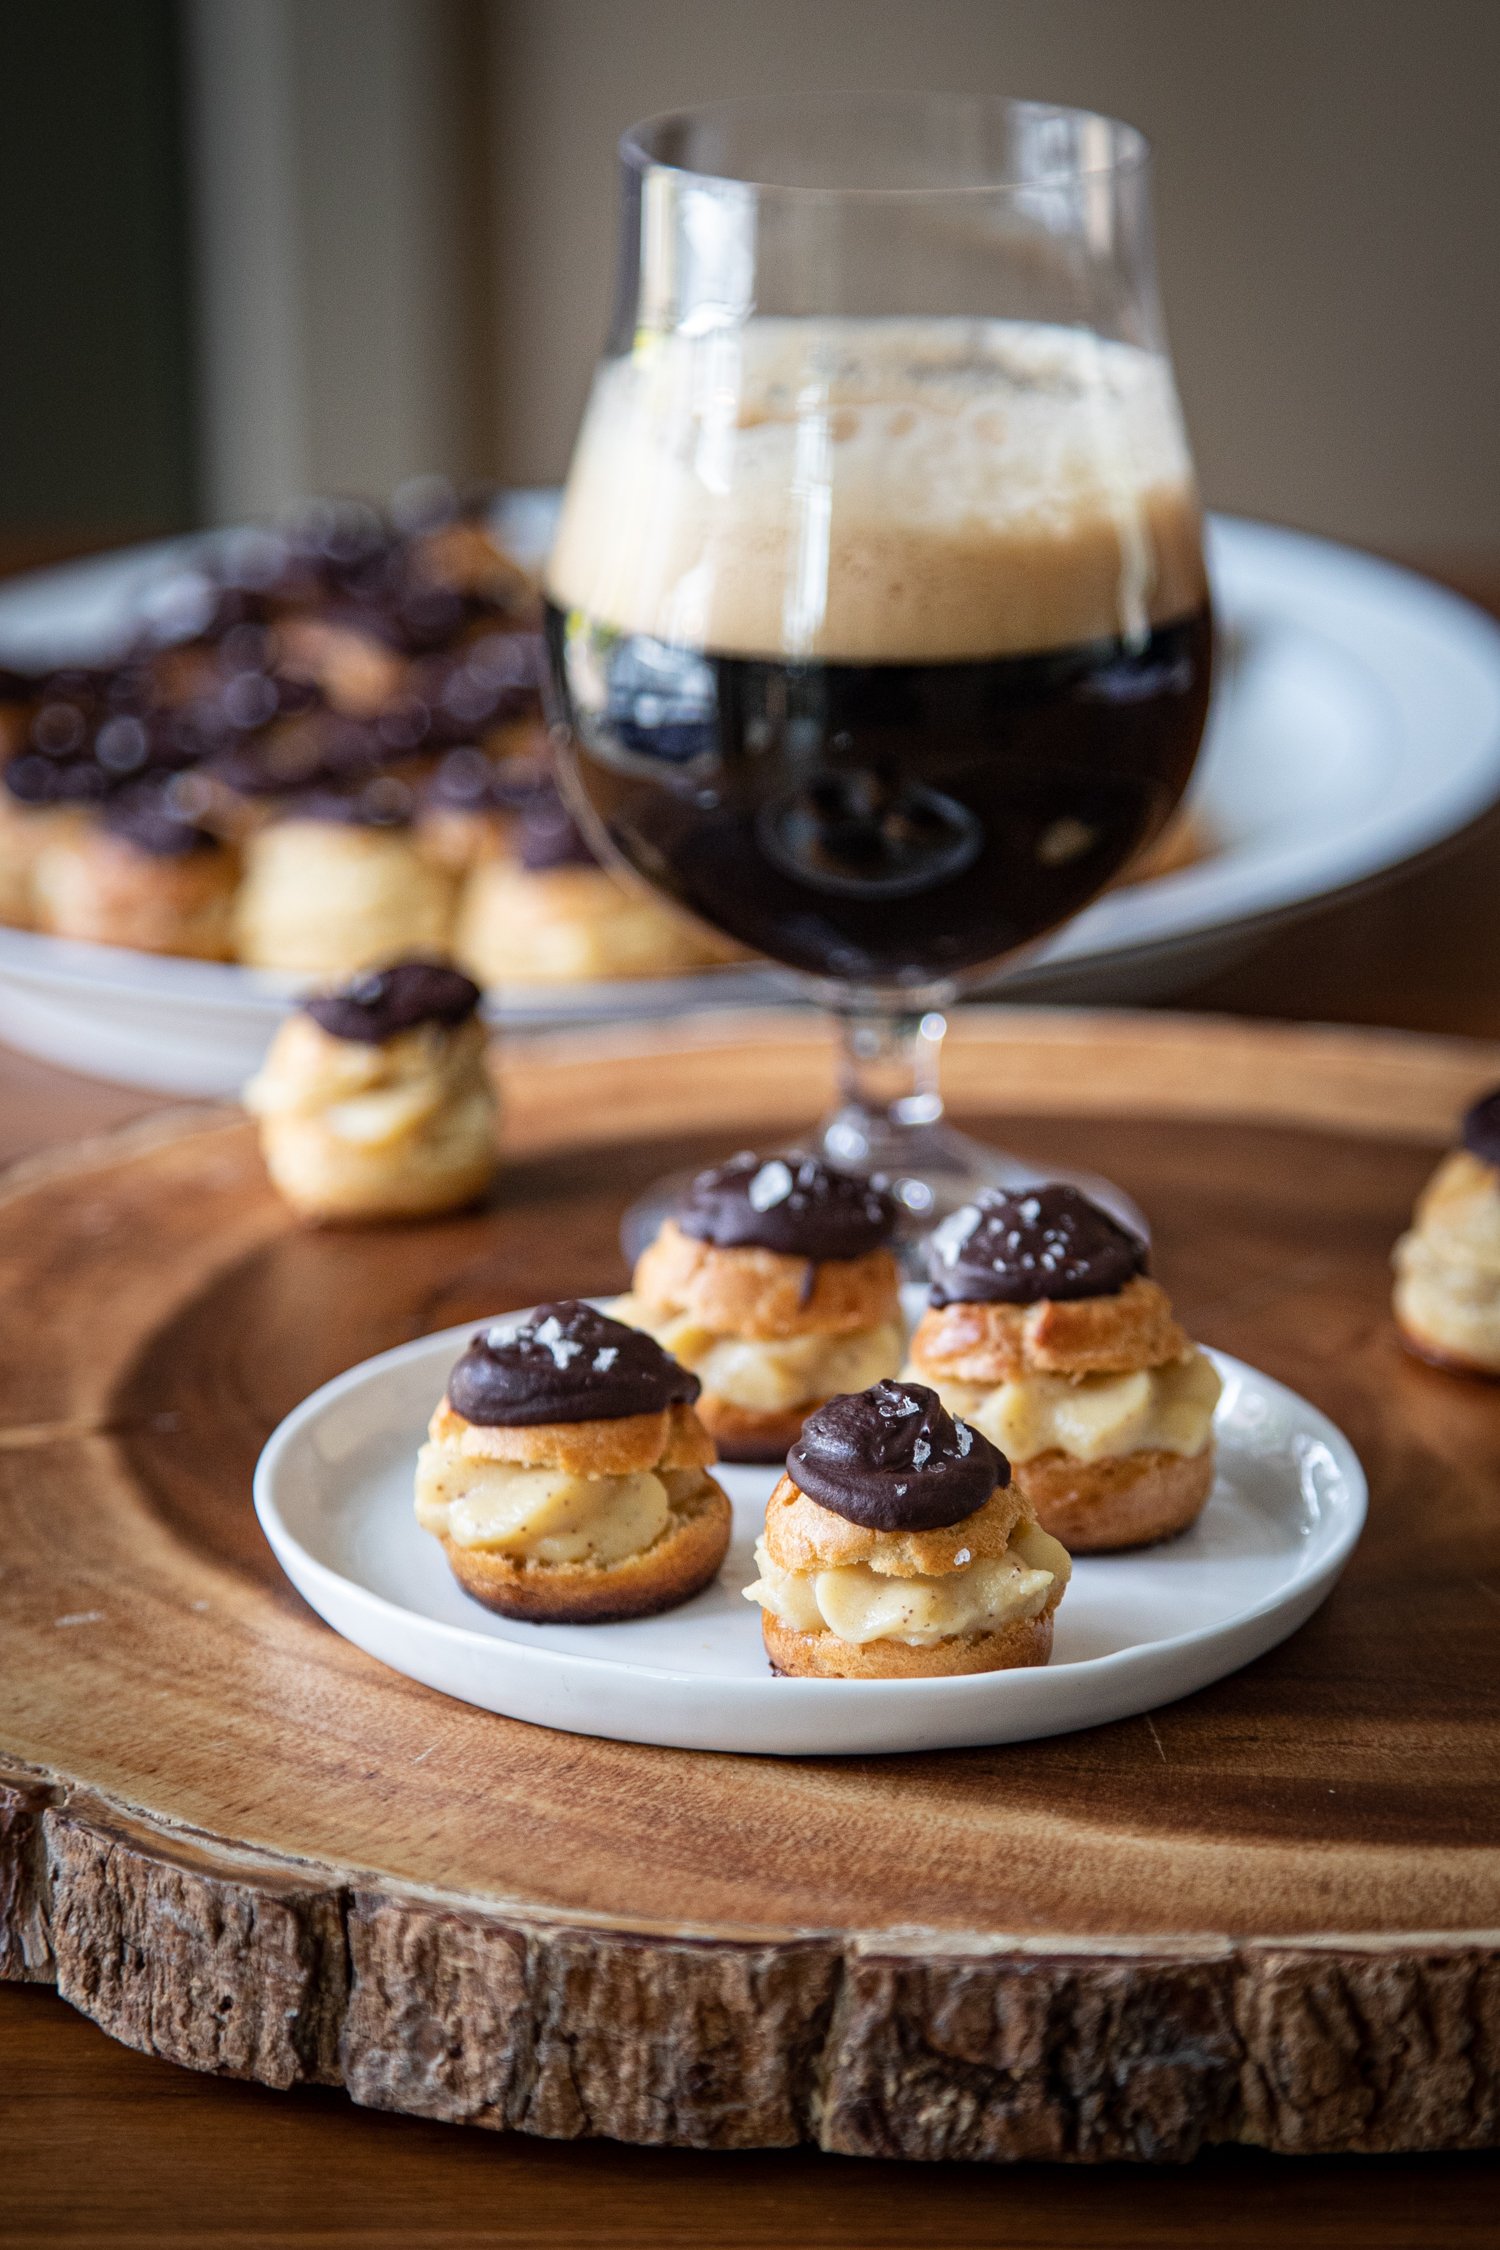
771	1185
562	1348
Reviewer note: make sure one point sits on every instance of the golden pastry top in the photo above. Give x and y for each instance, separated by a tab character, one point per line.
994	1343
672	1438
802	1536
747	1291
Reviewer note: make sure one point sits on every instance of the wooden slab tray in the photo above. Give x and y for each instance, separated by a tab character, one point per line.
1270	1913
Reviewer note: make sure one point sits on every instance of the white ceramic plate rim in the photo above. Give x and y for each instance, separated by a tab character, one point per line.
227	986
1297	1597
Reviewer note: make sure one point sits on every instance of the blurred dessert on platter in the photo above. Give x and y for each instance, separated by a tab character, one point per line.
144	873
349	706
545	911
335	881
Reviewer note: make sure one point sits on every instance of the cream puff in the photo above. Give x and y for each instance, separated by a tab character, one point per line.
551	914
1447	1293
139	875
897	1546
34	812
1044	1330
566	1473
775	1283
374	1101
337	883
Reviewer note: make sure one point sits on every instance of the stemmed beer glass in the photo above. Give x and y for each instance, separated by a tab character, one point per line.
877	613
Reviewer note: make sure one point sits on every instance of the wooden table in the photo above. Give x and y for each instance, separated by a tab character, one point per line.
103	2145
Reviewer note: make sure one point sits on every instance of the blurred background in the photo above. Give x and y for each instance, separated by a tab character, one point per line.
257	248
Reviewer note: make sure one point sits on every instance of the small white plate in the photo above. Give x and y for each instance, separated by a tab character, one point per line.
333	1490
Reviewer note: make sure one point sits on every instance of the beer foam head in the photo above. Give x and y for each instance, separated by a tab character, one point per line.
881	490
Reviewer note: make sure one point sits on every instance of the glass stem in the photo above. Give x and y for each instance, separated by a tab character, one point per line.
889	1117
889	1069
890	1120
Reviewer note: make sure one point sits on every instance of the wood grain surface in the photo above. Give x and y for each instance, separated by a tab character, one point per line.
102	2144
1266	1914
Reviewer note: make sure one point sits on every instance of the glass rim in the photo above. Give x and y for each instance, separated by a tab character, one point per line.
1127	149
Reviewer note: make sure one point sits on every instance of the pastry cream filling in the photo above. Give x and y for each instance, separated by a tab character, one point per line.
545	1515
767	1375
1093	1417
860	1604
367	1096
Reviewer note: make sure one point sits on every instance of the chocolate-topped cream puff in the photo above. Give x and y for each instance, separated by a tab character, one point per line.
337	884
1447	1294
37	808
141	875
774	1281
897	1546
374	1101
1044	1329
566	1472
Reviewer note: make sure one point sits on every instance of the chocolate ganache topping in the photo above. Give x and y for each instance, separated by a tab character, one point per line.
155	826
379	1003
565	1363
794	1204
1017	1249
383	802
1481	1128
894	1459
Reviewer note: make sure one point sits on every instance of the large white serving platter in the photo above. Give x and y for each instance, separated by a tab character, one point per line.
333	1490
1355	725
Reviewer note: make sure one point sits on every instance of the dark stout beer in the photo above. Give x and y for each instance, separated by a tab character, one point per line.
882	823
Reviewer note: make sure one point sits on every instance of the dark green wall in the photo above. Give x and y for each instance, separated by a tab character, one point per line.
95	377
